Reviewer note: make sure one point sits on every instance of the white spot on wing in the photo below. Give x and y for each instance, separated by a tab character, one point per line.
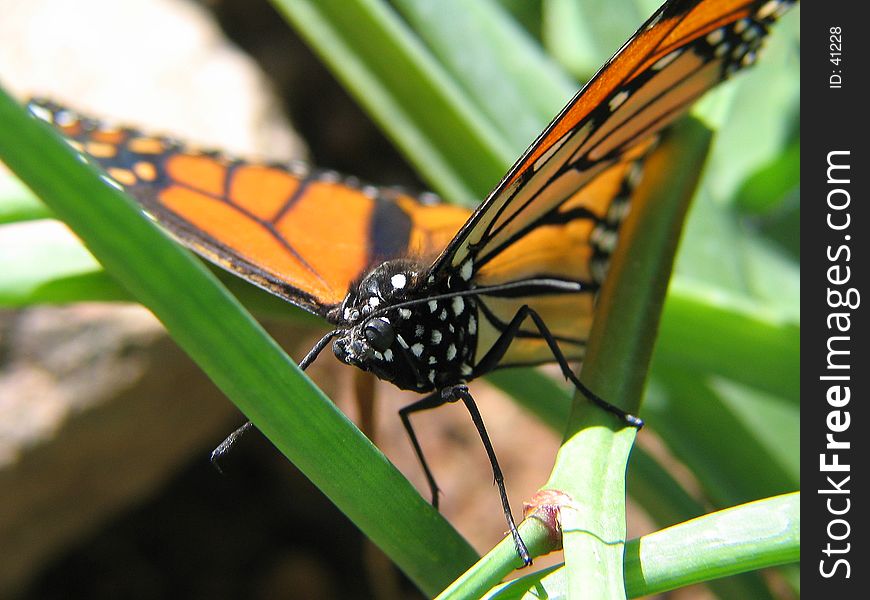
299	168
405	313
617	100
466	270
634	174
472	325
436	336
65	118
388	355
458	305
433	305
617	211
451	352
550	152
399	281
665	60
328	176
767	9
417	350
750	34
715	36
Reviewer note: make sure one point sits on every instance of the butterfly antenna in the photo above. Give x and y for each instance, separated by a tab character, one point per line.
318	348
560	285
225	446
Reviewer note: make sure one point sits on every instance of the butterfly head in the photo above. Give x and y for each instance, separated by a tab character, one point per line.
372	338
406	329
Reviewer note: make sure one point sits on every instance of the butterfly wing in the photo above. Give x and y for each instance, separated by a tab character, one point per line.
302	234
683	50
571	243
306	235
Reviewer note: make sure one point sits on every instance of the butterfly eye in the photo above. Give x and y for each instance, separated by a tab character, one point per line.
380	334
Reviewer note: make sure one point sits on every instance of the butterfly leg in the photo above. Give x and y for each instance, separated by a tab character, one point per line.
225	446
460	392
491	359
431	401
218	453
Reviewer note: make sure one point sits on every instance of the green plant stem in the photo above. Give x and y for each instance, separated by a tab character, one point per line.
499	562
752	536
590	466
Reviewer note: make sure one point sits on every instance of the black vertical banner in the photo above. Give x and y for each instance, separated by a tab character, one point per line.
834	369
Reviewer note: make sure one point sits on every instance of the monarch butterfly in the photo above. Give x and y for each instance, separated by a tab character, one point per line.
430	296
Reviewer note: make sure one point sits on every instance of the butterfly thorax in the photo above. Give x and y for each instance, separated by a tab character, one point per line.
401	328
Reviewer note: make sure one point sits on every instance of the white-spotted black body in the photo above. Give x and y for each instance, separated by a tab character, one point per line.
395	326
